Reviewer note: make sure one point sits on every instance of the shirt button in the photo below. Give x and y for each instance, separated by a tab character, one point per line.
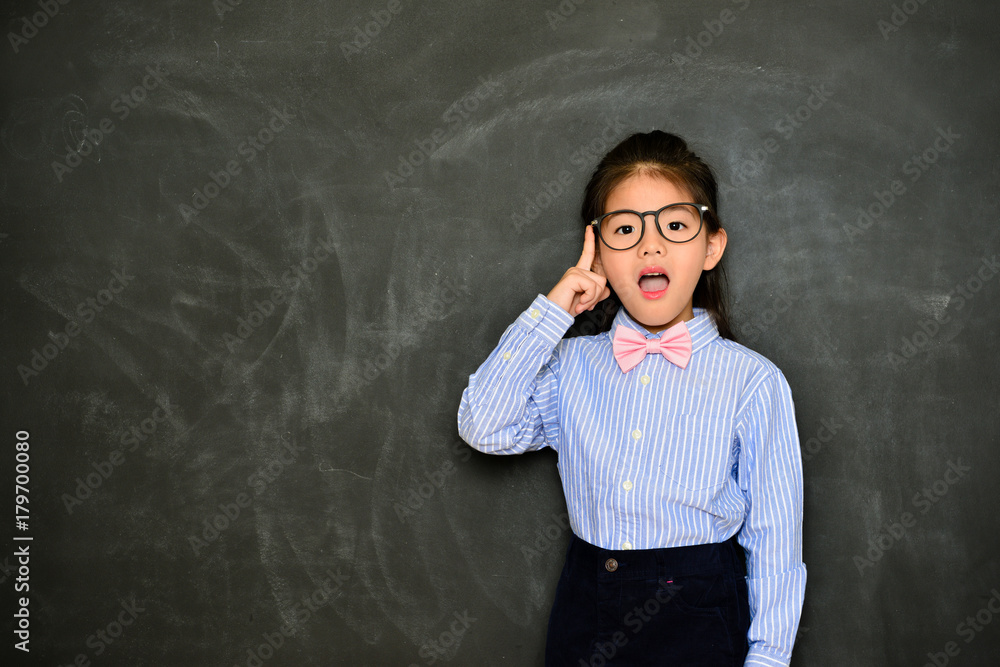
627	485
611	565
506	355
626	545
535	313
636	434
644	379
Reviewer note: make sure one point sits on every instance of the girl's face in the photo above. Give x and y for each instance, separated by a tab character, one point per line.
681	263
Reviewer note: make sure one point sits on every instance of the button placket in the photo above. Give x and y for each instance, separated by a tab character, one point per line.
626	485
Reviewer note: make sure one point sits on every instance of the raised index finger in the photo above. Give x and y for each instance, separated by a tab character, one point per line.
587	257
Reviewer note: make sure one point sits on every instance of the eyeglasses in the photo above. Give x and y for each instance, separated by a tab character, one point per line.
677	223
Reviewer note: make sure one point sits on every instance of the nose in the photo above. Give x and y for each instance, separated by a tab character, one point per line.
652	241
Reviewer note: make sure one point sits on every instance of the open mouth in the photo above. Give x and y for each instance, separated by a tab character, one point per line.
653	284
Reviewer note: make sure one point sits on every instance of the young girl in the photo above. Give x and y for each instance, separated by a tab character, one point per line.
678	451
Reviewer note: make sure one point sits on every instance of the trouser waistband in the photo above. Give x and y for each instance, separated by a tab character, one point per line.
709	558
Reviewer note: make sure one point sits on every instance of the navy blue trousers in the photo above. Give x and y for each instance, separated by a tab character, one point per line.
684	606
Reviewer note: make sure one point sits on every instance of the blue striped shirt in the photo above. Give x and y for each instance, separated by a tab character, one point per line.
659	456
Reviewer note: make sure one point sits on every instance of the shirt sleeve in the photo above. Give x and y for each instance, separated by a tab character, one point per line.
771	479
511	403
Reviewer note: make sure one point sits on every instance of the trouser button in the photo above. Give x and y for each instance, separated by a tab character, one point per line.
611	565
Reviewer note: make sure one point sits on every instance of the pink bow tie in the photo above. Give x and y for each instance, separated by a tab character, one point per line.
630	346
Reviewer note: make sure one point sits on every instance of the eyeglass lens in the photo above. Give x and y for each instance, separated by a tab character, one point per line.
679	223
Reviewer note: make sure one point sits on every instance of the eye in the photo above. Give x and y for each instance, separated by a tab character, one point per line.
676	225
621	223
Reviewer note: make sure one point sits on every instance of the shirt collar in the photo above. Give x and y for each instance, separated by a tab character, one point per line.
701	327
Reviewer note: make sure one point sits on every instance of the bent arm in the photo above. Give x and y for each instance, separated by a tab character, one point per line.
511	403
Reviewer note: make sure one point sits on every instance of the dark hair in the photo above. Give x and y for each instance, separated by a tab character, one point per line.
667	155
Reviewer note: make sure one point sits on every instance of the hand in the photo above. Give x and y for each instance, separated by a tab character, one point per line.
583	286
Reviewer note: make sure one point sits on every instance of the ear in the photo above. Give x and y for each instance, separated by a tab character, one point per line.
716	246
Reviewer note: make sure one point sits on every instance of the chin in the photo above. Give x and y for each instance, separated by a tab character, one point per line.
654	315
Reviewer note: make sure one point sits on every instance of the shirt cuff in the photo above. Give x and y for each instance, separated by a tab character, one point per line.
757	658
547	319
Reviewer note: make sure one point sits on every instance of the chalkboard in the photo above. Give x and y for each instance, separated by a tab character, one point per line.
251	253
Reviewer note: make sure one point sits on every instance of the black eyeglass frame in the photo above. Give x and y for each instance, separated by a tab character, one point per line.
702	209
